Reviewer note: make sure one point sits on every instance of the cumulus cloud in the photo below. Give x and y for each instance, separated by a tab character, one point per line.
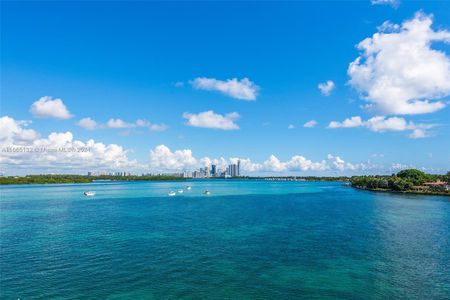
151	126
46	107
15	132
310	124
301	163
326	87
246	165
59	151
274	164
87	123
347	123
341	165
90	124
118	123
243	89
209	119
419	134
383	124
162	158
399	72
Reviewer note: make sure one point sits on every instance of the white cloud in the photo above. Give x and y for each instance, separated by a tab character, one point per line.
340	165
398	72
246	165
59	151
162	158
299	162
15	132
158	127
291	126
383	124
209	119
419	134
142	123
393	3
87	123
326	87
151	126
295	163
274	164
45	107
90	124
118	123
310	124
347	123
243	89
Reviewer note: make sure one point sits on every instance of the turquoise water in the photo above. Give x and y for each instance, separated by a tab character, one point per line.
247	240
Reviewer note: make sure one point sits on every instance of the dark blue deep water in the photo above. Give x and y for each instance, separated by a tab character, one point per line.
247	240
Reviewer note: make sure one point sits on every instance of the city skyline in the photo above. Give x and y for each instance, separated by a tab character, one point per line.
301	88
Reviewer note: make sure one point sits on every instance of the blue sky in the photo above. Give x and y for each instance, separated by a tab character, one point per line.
140	60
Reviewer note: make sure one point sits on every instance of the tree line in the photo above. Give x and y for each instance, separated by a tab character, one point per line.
404	181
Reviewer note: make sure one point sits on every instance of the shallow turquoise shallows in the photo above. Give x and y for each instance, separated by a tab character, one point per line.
246	240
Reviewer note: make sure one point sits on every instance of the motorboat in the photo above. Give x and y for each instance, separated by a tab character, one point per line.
89	193
172	193
206	192
188	188
180	191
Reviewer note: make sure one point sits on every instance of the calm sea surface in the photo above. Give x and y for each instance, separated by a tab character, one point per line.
247	240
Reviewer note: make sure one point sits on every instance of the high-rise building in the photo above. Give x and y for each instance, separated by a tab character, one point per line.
239	168
233	170
213	170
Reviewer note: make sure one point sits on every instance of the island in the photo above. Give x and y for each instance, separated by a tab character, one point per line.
405	181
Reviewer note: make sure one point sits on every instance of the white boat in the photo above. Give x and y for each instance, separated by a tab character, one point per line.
180	191
206	192
188	188
172	193
89	193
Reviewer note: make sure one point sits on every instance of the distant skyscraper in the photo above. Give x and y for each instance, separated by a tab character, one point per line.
213	170
233	170
239	168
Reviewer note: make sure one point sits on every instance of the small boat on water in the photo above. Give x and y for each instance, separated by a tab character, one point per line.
206	192
89	193
172	193
180	191
188	188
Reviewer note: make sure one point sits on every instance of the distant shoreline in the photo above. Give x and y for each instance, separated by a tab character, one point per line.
431	193
74	179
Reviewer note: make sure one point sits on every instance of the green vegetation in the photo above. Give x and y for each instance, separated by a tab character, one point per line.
408	181
48	179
